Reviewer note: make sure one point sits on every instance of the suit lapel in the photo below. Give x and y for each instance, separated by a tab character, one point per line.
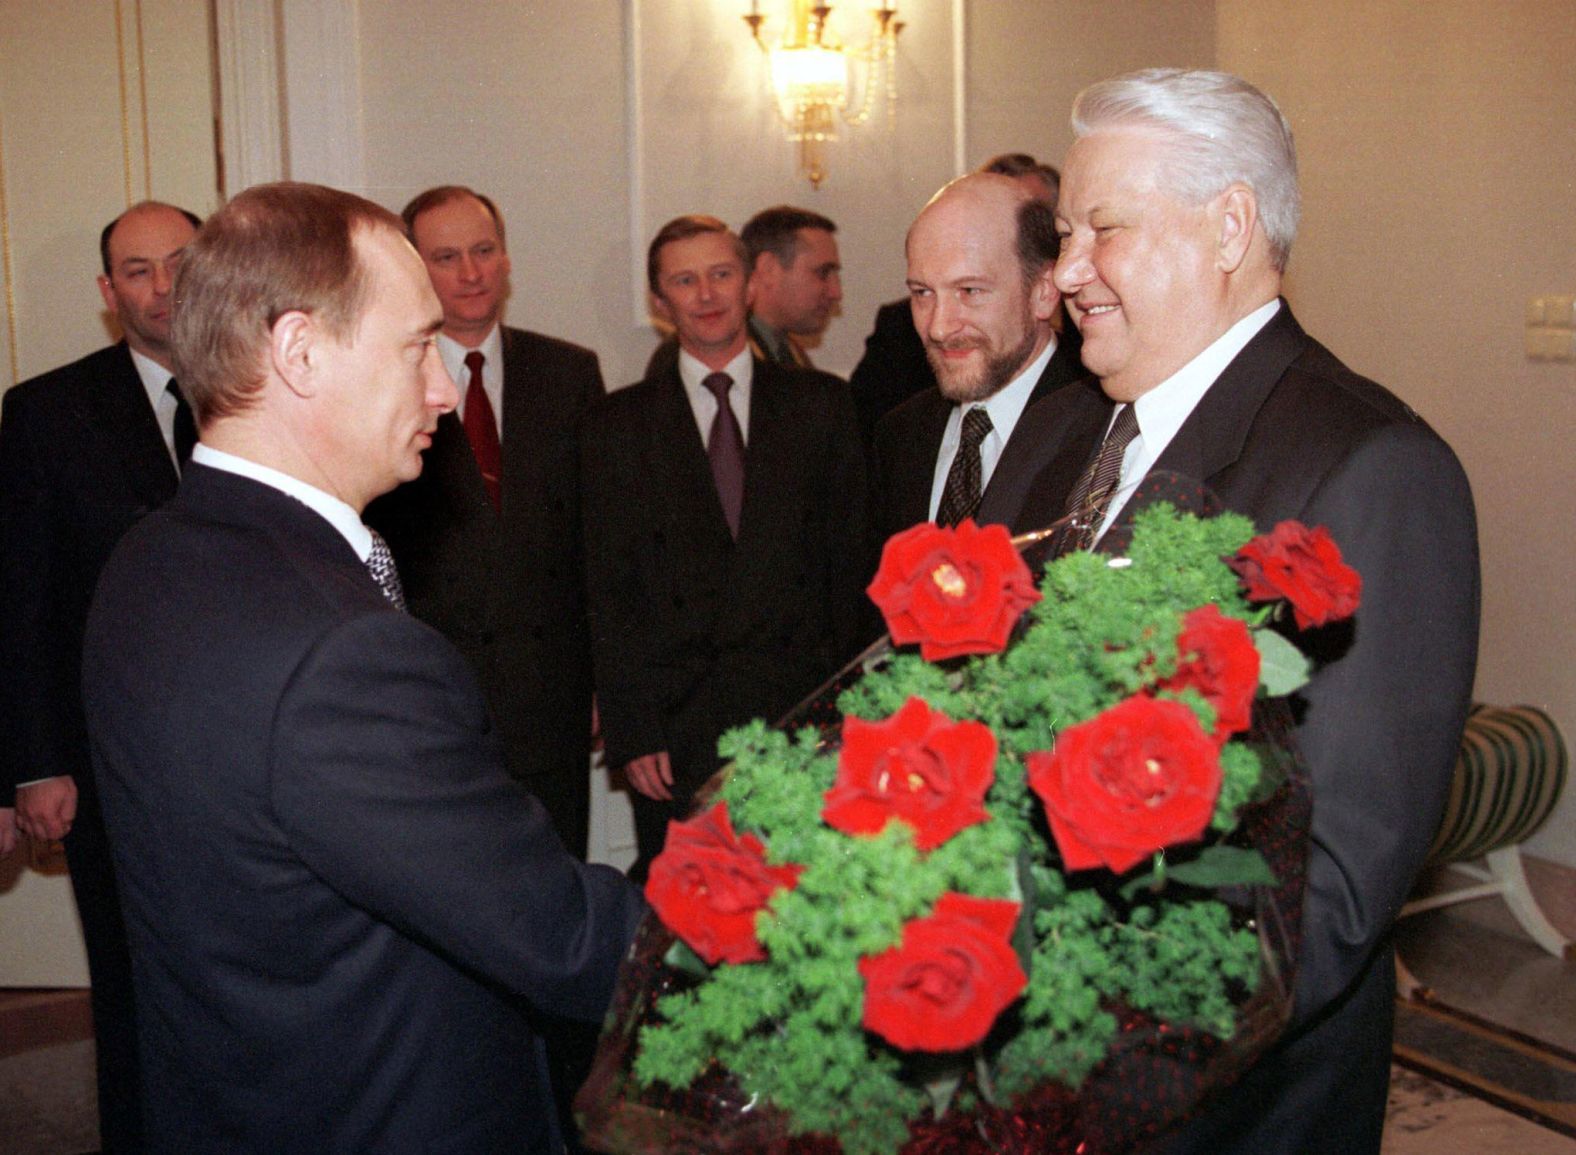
522	403
768	455
1213	435
676	460
453	469
1023	456
915	466
124	418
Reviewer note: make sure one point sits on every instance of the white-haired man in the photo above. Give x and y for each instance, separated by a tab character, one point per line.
1178	208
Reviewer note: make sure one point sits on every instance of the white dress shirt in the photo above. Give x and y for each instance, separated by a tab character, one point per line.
453	355
703	403
1004	406
1161	411
156	380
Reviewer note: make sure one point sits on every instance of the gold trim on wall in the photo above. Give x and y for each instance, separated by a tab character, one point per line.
125	109
5	263
142	98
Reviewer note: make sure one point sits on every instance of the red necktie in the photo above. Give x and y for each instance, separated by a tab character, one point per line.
481	428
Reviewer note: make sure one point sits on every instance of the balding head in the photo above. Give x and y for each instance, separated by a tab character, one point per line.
980	257
141	250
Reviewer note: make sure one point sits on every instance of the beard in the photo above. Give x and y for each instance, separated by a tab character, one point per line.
963	384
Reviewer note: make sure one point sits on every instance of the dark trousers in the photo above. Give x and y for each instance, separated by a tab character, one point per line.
109	970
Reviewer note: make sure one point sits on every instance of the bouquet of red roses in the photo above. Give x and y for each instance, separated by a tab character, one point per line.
1014	897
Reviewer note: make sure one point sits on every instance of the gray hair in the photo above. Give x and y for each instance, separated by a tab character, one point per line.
1223	130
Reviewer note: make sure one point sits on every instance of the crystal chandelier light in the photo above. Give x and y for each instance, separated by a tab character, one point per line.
815	78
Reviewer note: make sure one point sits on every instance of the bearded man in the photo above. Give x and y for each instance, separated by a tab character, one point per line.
980	260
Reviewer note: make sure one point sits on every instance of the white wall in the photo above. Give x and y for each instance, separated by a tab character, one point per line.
1438	153
94	116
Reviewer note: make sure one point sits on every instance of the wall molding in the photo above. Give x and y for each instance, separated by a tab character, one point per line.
322	93
5	265
251	148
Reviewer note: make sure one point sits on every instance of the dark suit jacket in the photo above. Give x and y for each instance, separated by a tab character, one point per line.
893	369
81	460
692	631
908	440
509	589
1287	431
334	891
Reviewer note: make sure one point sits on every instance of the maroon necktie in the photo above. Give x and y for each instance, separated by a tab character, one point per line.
725	448
481	427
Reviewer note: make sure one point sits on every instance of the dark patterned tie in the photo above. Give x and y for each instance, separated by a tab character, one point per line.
960	496
185	426
481	428
725	448
381	562
1092	496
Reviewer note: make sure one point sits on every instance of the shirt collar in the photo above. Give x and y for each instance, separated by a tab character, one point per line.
339	515
155	377
692	371
1007	404
453	354
1162	410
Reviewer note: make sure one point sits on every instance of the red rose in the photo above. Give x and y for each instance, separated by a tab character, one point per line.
1303	566
954	591
918	767
1217	657
708	884
1117	788
953	973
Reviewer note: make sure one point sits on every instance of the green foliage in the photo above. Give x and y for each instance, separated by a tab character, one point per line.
1282	666
1210	869
1182	962
789	1027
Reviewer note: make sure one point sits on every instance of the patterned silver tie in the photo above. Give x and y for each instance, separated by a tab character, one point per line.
381	562
1092	497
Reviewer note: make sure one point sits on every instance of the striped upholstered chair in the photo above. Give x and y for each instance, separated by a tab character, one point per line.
1508	777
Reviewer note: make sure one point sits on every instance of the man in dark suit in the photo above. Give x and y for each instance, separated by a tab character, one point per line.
85	451
340	904
1178	208
796	286
494	563
795	281
724	508
895	366
980	258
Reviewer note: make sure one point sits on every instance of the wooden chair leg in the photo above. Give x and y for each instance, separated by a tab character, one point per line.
1407	985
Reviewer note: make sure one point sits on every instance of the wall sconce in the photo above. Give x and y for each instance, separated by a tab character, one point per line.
811	76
